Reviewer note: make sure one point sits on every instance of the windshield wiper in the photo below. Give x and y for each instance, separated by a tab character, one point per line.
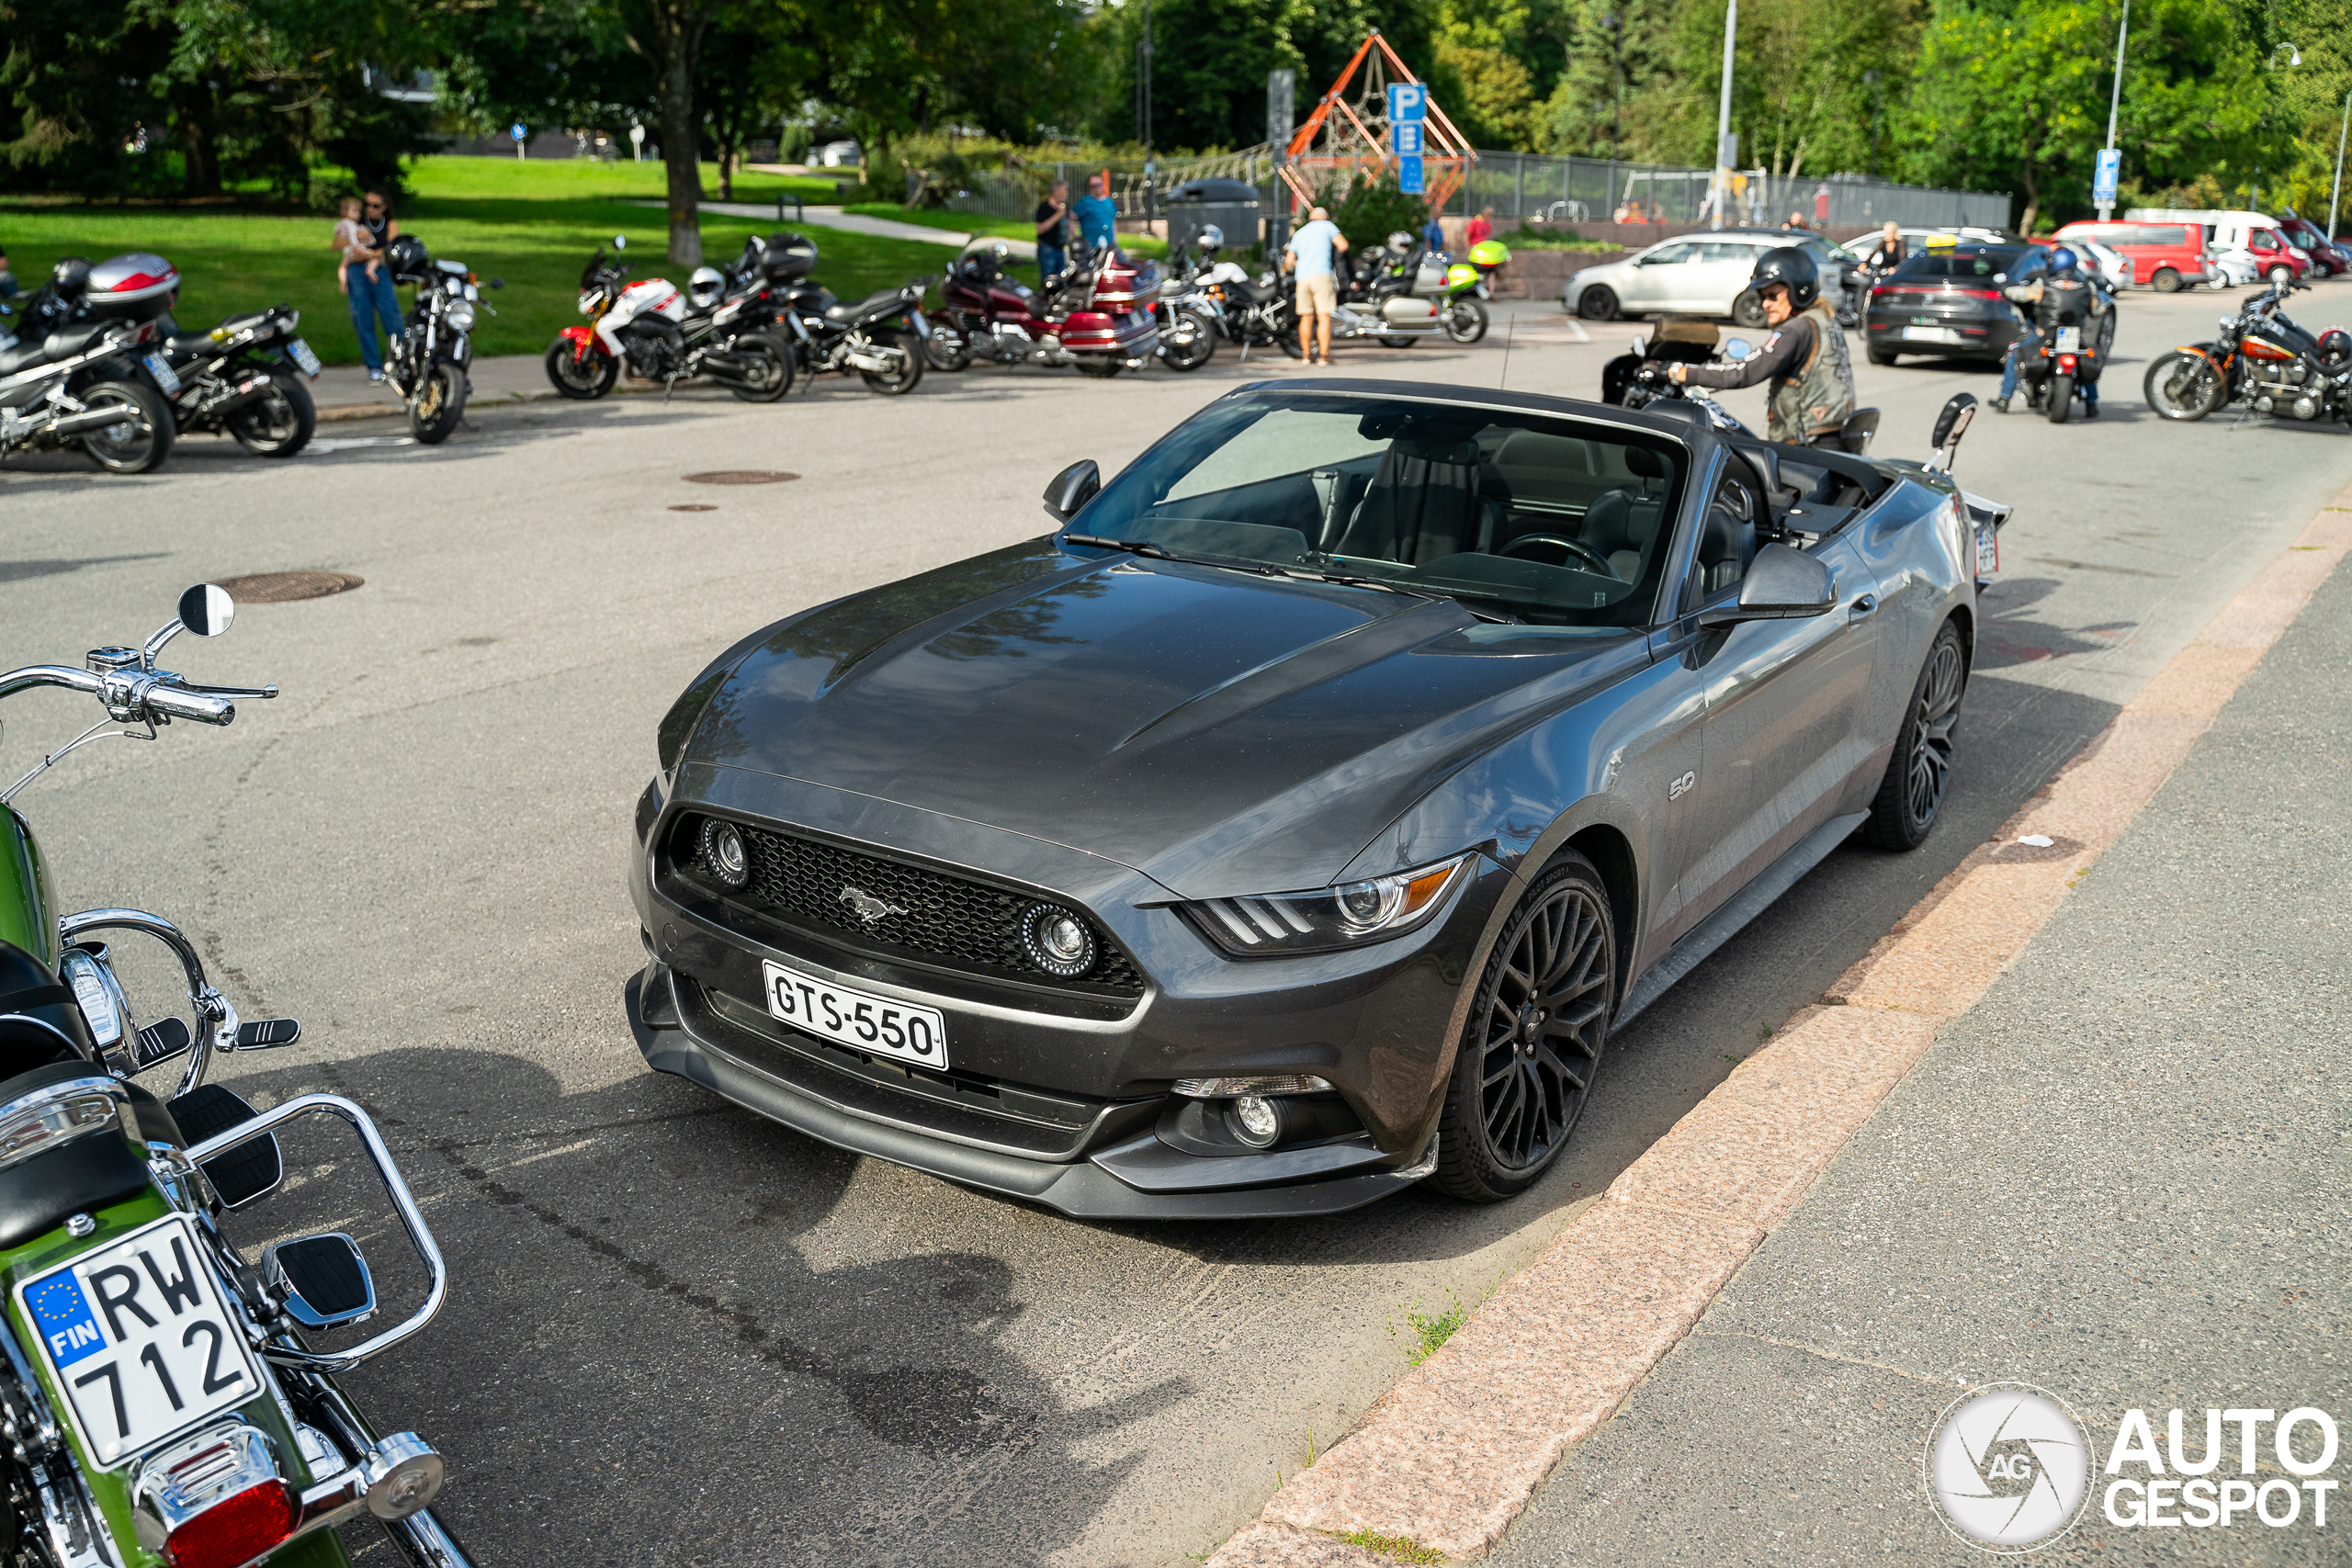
1351	579
1160	552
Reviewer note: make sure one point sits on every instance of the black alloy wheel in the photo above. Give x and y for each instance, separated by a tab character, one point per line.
440	403
892	383
1465	320
580	377
1748	310
139	443
1190	341
946	348
1597	303
1911	795
1525	1067
278	423
770	358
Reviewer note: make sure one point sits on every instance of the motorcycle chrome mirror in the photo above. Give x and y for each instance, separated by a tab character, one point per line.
1952	423
620	242
205	609
1736	349
1073	488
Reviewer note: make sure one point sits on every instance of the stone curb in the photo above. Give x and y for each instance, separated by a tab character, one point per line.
1448	1457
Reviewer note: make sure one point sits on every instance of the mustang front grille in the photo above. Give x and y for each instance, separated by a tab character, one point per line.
883	905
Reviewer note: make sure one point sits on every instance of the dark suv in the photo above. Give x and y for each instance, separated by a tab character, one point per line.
1948	303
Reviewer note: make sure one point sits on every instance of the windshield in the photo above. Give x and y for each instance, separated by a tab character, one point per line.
1961	261
1549	520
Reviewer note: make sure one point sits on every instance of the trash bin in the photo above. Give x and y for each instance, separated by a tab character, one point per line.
1231	205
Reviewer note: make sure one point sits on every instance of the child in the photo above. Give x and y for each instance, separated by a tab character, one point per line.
352	238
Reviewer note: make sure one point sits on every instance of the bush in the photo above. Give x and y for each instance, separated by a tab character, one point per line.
1375	208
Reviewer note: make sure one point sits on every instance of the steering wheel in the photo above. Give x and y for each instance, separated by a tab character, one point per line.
1600	562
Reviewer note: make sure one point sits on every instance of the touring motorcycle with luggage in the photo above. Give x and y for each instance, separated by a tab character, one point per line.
166	1397
248	379
1098	317
2263	360
881	337
84	365
662	333
427	364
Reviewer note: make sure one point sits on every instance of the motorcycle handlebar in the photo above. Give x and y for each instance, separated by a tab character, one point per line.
172	702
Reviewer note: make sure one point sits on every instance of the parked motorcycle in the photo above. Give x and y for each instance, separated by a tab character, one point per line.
2263	360
427	364
247	378
89	369
161	1397
1260	313
661	333
1462	287
1638	379
1098	317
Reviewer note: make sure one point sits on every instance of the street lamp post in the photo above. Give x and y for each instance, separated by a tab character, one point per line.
1723	115
2115	98
1616	21
1143	88
2343	125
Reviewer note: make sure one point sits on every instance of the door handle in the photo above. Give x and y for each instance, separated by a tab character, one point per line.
1863	607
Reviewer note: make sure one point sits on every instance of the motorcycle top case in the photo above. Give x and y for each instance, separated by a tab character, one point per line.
137	286
786	257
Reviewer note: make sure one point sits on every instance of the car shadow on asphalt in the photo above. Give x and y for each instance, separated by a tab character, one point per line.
644	1297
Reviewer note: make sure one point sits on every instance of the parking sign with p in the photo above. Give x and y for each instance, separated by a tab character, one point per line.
1408	102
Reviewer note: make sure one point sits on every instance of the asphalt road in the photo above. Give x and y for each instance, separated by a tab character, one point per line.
2119	1179
677	1334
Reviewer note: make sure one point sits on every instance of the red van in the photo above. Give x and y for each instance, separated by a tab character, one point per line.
2165	256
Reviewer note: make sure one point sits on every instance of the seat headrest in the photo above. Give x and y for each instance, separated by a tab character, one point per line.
1645	463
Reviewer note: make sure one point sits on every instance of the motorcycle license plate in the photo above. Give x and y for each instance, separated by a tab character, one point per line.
165	376
303	357
140	1340
876	1025
2070	340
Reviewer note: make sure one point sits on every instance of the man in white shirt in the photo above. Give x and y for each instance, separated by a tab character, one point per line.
1310	254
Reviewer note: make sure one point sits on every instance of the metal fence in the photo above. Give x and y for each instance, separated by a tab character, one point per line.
1563	190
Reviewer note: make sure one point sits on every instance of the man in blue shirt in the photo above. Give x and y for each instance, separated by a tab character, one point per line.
1097	215
1434	234
1310	253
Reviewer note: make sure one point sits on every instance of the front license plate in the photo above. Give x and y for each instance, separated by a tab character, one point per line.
165	376
876	1025
302	356
1930	334
1988	550
140	1340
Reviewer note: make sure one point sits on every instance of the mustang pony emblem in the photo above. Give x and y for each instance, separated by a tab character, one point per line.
867	908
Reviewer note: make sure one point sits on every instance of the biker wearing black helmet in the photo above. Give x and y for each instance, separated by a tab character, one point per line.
1812	381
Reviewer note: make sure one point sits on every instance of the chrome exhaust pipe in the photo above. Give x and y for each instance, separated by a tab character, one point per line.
88	419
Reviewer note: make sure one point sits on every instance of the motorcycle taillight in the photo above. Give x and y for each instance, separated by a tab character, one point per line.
235	1530
2066	362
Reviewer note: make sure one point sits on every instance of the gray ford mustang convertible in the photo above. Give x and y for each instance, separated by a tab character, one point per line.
1297	822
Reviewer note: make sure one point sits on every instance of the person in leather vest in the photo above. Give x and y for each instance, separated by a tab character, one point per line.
2060	296
1806	360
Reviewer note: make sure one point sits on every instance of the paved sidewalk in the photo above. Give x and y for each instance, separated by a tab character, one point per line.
343	391
856	223
2120	1177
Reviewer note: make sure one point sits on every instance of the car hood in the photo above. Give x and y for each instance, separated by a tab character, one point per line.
1220	731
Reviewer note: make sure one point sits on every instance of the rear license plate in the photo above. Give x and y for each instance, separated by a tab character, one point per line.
2070	340
140	1340
876	1025
1988	550
302	356
1930	334
165	376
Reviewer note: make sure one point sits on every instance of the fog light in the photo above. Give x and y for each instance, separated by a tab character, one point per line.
723	853
1255	1121
1057	940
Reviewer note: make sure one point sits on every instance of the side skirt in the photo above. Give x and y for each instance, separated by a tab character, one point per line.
1702	940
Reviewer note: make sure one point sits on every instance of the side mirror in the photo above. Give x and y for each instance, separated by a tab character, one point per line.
620	242
1737	349
207	609
1783	583
1073	488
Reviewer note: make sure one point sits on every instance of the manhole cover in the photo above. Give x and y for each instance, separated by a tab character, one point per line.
741	477
695	507
285	587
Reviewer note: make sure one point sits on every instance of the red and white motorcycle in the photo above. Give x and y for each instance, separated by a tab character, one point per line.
658	332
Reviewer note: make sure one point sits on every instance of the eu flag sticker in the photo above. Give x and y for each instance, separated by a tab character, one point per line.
64	1319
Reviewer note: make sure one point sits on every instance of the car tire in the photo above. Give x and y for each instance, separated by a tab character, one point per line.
1919	775
2166	281
1882	356
1597	303
1748	310
1525	1067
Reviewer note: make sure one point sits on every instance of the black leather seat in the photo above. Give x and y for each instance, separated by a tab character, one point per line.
1621	528
846	315
184	344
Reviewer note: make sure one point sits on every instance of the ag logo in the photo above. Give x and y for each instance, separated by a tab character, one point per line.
2008	1467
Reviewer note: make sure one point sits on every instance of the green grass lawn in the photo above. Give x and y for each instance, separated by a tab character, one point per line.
534	224
981	223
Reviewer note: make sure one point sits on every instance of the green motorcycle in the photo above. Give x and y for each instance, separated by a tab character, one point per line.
161	1402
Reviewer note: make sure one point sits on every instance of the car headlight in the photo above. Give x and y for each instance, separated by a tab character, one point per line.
1276	924
461	316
